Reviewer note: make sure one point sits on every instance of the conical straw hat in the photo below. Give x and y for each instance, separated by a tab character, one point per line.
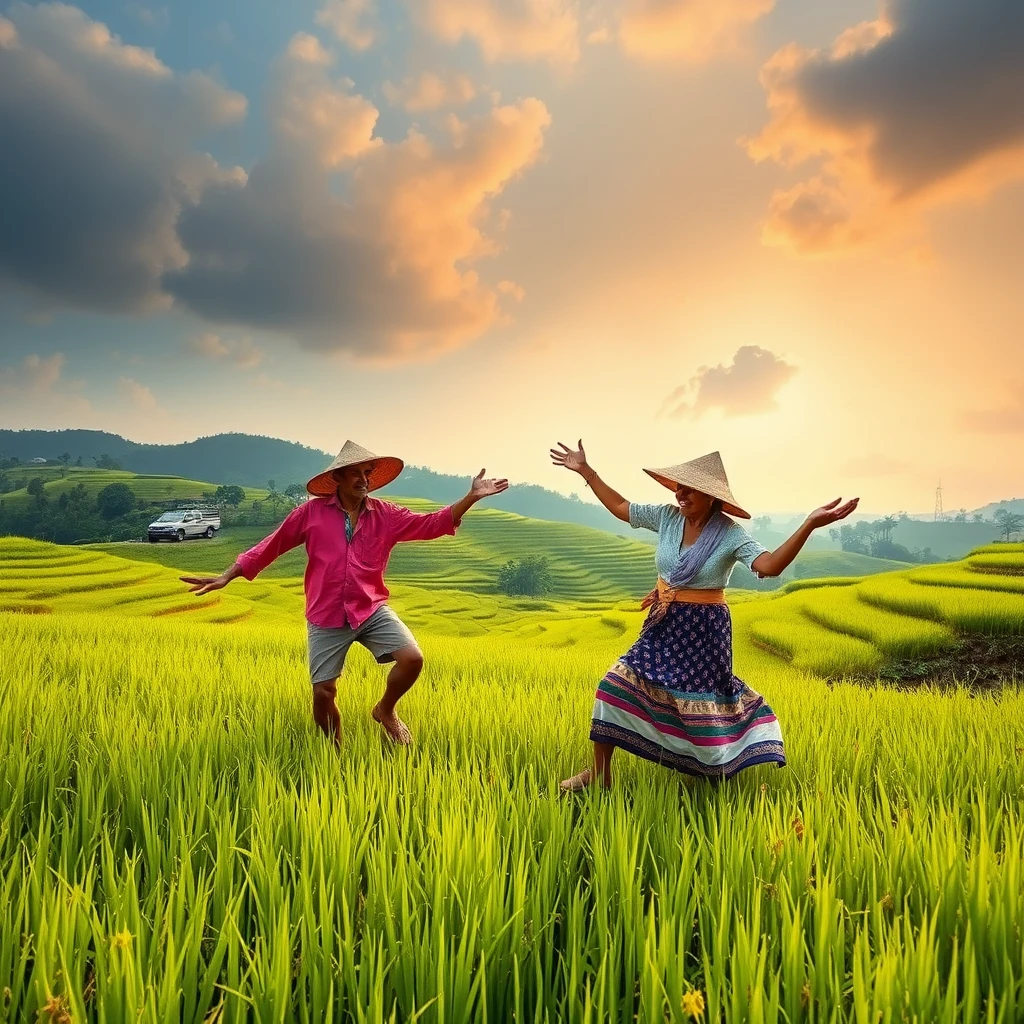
707	475
385	469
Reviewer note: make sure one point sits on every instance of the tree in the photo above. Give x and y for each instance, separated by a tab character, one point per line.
115	500
106	462
36	487
961	516
229	494
762	524
78	461
884	528
296	492
978	517
65	461
1008	522
528	577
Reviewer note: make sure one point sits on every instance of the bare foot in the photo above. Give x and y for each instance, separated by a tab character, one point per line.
396	729
580	782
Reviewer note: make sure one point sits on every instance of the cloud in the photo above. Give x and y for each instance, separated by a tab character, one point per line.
876	464
36	387
745	388
137	395
354	22
317	118
506	29
687	30
430	91
377	261
919	108
239	351
1005	419
105	136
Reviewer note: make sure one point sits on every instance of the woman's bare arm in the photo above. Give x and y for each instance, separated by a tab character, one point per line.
774	563
577	462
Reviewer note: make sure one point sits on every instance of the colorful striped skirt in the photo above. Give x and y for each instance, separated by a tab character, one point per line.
673	699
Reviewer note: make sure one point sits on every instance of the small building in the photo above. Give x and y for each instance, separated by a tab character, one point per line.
37	462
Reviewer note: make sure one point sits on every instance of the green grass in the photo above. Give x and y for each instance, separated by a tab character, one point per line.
178	843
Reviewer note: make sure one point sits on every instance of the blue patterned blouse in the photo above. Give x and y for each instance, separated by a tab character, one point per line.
667	521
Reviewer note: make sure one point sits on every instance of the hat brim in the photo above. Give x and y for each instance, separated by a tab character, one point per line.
385	469
728	502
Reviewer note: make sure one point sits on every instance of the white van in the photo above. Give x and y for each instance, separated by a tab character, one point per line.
184	523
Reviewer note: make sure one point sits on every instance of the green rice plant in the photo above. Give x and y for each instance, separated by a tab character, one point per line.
895	635
178	843
813	647
969	610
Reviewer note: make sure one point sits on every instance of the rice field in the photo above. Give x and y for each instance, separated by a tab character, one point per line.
177	843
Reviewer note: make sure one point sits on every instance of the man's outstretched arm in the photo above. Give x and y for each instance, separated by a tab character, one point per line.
250	563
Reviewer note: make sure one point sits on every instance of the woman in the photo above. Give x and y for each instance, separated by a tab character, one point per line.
672	697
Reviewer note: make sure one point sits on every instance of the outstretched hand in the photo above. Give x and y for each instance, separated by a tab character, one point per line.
831	513
574	460
200	585
482	488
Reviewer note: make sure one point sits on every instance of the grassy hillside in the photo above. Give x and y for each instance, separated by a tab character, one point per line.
843	627
586	564
900	623
147	486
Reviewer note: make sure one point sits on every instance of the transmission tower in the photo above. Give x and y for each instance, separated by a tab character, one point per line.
938	503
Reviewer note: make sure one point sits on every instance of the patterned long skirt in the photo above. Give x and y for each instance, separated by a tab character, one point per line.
673	699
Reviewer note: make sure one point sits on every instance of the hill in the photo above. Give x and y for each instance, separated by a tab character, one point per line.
585	564
148	486
251	461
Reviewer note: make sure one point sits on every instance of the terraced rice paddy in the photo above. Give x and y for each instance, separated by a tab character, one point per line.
177	843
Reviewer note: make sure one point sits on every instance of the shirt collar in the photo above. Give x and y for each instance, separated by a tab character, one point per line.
369	504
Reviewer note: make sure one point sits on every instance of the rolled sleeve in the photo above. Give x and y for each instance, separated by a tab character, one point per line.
748	549
646	517
288	535
408	525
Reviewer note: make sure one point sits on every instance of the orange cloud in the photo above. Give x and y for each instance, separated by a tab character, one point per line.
748	386
430	91
315	113
918	108
506	29
688	30
386	273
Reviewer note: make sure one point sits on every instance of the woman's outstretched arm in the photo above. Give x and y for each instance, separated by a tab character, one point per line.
577	462
773	563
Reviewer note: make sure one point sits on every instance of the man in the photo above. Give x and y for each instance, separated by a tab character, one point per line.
349	537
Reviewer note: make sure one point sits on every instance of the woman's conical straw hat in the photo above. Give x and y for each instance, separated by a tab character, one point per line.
385	469
706	474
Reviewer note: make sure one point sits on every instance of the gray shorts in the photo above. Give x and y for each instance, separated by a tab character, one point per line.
381	634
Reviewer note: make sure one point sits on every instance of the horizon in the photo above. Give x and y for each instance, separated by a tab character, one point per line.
665	227
584	495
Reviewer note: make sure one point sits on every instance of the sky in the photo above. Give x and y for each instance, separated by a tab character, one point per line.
460	231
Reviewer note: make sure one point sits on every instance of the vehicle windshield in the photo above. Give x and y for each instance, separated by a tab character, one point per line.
171	517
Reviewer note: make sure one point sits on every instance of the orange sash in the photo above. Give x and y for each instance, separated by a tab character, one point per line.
664	594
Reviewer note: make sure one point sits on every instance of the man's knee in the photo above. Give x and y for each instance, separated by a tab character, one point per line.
324	693
410	659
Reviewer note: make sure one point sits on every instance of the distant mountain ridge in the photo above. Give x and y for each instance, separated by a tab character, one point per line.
251	460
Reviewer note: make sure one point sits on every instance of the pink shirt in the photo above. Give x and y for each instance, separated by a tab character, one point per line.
345	582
